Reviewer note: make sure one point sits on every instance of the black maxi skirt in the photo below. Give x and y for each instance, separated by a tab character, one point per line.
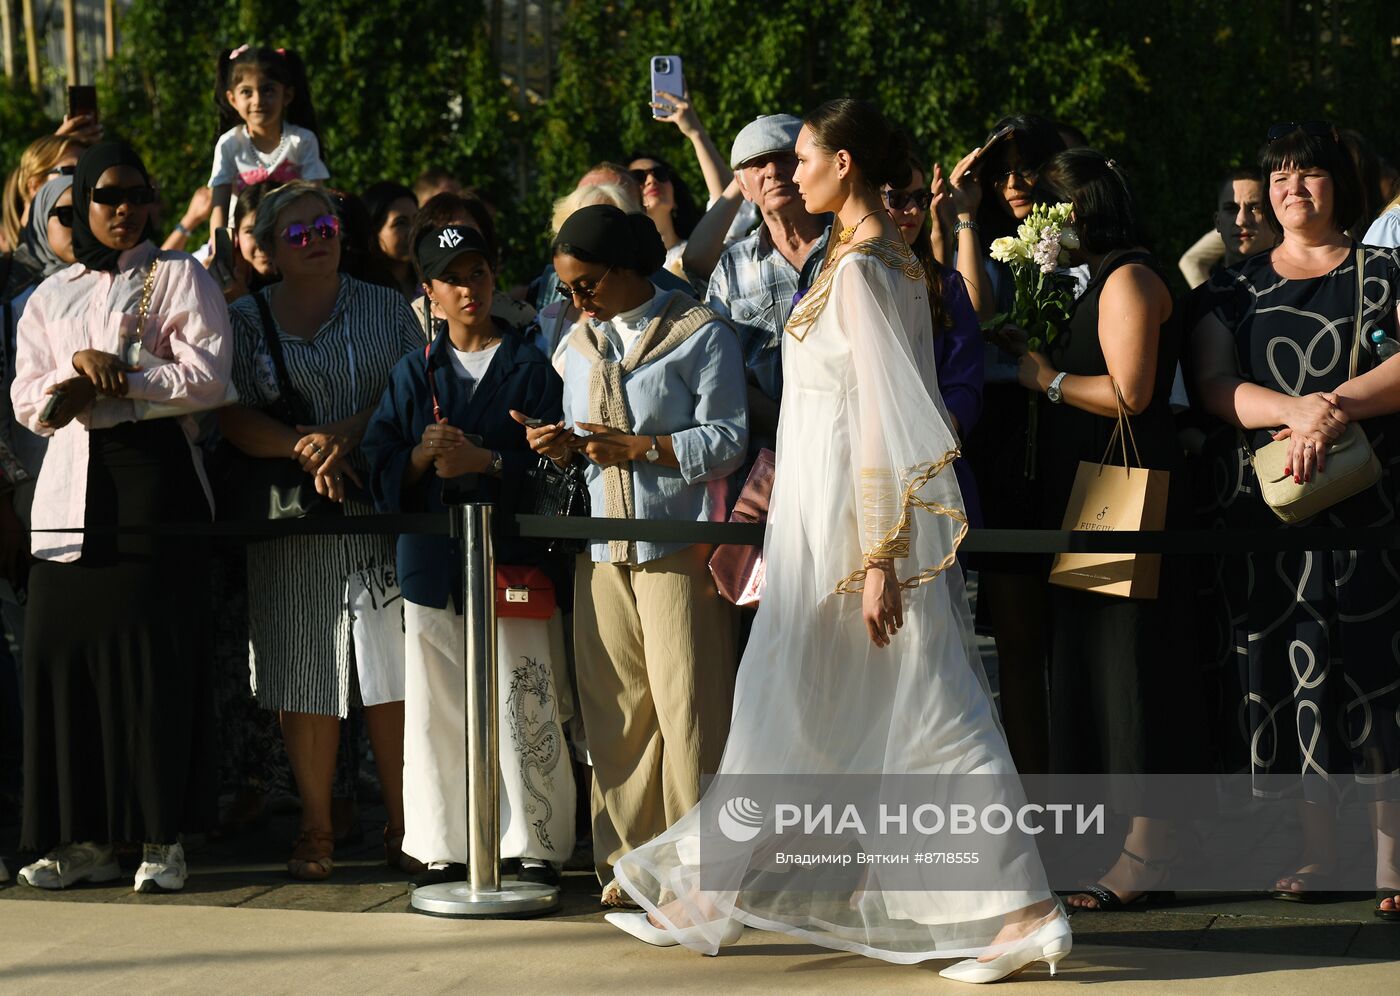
117	704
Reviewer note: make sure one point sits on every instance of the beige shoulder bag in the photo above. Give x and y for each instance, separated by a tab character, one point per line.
1352	466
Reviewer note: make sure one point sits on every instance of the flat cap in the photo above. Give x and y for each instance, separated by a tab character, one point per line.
764	135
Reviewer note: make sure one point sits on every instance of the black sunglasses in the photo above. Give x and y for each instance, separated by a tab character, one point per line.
62	171
1317	129
658	173
114	196
64	215
898	200
583	294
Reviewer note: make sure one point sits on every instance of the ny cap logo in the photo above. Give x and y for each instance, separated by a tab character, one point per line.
449	239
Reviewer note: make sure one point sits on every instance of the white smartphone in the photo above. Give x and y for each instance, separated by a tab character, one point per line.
666	77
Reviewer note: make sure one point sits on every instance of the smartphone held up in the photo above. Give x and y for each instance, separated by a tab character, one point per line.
666	77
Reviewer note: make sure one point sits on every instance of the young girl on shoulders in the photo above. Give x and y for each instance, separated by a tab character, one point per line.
267	125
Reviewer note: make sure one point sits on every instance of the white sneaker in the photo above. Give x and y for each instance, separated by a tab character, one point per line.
70	864
162	868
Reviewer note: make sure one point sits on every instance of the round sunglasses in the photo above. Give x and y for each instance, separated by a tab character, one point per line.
582	294
299	236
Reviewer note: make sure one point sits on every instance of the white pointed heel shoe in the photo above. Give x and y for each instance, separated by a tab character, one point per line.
643	929
1048	944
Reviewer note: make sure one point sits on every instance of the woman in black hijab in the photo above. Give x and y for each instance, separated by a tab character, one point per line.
113	356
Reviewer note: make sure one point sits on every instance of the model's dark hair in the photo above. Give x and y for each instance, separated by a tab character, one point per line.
1103	202
442	209
685	214
280	64
1241	173
879	150
1301	150
1034	139
922	247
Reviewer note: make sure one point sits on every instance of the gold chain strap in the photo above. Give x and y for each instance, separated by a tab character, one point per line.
145	308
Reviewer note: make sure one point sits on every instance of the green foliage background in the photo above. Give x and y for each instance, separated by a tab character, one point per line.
1176	90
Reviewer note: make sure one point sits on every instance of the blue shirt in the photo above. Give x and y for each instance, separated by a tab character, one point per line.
696	394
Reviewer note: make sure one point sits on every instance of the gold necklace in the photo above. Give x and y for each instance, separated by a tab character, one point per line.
846	234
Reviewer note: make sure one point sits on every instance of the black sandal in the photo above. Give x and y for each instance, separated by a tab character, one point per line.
1391	915
1109	901
1326	892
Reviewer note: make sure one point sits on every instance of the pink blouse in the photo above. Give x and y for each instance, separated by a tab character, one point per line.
78	308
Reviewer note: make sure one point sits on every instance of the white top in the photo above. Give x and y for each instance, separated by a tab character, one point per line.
1385	230
471	367
238	163
626	327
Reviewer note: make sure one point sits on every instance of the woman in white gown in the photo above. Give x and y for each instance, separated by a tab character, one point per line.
861	659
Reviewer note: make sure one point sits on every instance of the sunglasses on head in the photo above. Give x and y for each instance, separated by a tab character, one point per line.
582	294
299	236
1317	129
658	173
898	200
115	196
62	171
64	215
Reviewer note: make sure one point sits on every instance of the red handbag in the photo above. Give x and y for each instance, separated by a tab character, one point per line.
523	593
738	570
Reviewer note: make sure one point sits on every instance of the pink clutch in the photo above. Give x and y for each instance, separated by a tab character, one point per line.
738	570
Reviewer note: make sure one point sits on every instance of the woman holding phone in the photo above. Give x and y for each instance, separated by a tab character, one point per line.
443	434
655	382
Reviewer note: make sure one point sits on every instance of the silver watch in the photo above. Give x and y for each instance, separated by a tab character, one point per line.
1053	392
653	454
498	462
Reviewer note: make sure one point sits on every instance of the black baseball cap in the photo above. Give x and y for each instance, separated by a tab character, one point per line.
438	247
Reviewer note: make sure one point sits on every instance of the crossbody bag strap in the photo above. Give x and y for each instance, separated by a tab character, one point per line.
289	394
1359	342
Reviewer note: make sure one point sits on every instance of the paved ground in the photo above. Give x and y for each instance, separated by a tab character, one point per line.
67	947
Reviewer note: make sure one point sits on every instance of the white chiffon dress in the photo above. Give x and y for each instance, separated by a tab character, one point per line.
864	459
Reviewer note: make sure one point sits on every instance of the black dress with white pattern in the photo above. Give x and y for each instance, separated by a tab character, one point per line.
1316	633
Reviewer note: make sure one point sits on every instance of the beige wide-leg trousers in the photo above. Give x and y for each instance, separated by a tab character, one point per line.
655	650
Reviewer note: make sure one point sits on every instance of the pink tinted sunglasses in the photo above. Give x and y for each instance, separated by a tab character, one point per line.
299	236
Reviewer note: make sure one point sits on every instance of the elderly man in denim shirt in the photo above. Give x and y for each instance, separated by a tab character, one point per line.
754	283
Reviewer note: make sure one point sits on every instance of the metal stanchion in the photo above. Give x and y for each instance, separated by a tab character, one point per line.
484	894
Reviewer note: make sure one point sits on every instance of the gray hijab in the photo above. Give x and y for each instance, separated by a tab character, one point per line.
35	235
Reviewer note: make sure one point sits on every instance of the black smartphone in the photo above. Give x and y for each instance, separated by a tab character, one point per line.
534	423
82	100
55	402
221	269
999	136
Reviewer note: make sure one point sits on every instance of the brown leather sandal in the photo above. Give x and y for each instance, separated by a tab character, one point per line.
393	852
311	859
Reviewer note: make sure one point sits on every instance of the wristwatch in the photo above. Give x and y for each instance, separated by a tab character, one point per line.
653	454
498	462
1053	391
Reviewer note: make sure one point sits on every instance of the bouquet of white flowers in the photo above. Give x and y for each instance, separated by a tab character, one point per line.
1035	254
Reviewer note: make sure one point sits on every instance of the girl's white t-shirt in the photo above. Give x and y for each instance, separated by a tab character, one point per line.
238	163
471	367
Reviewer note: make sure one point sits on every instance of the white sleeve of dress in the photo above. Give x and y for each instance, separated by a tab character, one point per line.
903	446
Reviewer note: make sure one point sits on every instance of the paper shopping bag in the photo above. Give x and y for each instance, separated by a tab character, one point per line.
1104	498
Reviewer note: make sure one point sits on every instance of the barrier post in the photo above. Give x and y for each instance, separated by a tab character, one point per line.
483	894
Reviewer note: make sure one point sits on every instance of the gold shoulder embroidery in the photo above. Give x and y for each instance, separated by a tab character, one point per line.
895	255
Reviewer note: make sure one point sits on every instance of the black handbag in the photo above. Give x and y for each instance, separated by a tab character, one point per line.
256	489
560	492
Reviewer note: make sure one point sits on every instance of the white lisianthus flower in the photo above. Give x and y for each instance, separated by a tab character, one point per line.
1069	238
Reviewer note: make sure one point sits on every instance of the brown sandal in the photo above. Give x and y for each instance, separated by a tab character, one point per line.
311	859
393	852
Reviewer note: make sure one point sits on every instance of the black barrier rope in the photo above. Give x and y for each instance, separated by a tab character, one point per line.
1198	542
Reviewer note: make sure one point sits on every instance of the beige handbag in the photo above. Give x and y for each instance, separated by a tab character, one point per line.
1352	466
